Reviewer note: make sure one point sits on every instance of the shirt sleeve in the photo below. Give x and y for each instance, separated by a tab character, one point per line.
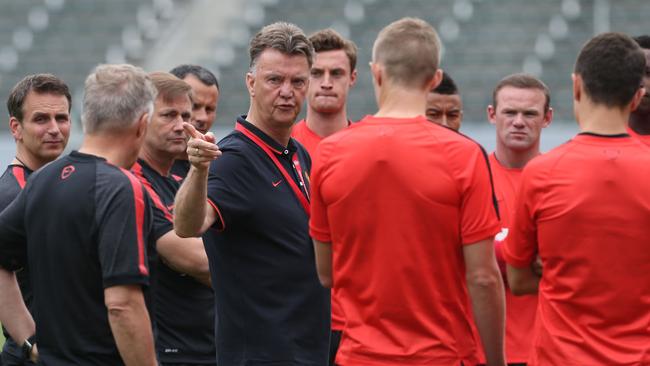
124	220
520	247
13	238
229	188
319	227
478	211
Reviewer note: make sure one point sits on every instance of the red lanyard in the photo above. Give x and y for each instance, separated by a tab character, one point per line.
301	194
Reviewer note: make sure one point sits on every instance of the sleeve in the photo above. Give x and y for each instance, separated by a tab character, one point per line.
13	238
520	247
319	227
229	188
478	211
124	220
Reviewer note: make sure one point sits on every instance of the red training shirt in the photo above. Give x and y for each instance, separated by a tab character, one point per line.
520	310
585	207
398	199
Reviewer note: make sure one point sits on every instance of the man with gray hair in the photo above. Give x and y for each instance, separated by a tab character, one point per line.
270	307
84	226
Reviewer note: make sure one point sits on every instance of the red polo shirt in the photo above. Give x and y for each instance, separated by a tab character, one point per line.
308	138
398	198
585	208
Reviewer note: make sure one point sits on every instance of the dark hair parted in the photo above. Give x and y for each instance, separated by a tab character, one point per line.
522	81
200	72
611	67
40	84
284	37
330	40
447	86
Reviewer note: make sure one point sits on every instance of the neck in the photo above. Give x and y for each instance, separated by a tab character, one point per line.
110	148
640	123
325	124
397	102
27	160
513	159
280	134
159	161
597	118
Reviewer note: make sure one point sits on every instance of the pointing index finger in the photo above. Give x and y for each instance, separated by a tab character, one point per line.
192	132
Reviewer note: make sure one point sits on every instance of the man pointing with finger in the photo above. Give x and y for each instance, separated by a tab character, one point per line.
270	306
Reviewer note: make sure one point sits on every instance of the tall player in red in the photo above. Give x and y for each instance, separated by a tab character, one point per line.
584	208
520	110
402	221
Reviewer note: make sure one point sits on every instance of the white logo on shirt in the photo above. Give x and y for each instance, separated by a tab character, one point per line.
502	235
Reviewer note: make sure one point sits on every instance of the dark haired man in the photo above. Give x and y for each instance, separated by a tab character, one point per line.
444	104
205	98
331	77
39	120
584	208
270	307
639	125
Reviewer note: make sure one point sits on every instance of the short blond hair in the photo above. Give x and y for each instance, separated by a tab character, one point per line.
169	86
409	50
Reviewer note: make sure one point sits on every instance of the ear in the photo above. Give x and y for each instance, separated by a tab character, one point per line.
16	128
492	114
636	100
577	87
376	70
353	77
548	117
250	83
435	81
142	125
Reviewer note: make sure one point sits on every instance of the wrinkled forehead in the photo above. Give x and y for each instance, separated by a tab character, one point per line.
274	61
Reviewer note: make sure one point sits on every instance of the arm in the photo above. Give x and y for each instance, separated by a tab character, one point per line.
523	281
486	292
130	323
193	215
13	312
323	253
185	255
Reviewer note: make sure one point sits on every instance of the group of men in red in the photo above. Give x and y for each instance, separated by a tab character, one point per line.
415	228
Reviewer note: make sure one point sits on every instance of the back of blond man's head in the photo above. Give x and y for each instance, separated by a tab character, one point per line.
409	51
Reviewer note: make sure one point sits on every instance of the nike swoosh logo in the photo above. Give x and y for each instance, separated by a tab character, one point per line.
275	184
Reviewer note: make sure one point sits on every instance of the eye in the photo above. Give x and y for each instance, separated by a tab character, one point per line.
316	73
299	83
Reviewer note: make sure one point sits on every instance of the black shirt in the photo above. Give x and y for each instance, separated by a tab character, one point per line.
11	183
271	308
184	312
88	226
180	168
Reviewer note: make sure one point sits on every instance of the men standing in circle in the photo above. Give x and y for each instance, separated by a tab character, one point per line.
331	77
403	218
270	307
87	225
205	97
39	120
444	105
520	110
584	208
639	125
184	307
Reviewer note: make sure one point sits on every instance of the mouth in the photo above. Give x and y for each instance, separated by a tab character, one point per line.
53	142
285	107
326	95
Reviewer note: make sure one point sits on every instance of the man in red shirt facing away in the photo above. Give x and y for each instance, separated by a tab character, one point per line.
520	110
331	77
639	125
584	208
403	221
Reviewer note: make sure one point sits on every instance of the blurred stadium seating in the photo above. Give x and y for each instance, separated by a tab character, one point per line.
483	39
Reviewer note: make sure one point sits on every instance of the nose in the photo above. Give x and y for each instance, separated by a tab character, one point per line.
286	90
53	127
518	121
443	120
327	81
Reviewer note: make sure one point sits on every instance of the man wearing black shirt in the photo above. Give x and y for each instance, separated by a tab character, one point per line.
184	308
205	96
39	120
87	225
270	306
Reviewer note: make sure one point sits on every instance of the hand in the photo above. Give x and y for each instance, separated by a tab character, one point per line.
201	149
33	356
537	266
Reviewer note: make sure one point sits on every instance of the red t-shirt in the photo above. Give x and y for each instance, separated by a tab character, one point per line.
398	198
585	207
643	138
308	138
520	310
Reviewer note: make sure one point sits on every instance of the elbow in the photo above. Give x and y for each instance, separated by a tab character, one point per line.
325	280
184	232
486	280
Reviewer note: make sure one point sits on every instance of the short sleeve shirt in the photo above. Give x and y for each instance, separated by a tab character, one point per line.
398	199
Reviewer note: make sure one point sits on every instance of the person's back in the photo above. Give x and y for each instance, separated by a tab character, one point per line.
413	176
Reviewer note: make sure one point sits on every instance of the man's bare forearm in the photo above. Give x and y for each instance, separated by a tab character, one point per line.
488	304
13	312
131	325
190	206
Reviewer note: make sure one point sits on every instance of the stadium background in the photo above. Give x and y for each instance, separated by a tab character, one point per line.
484	40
